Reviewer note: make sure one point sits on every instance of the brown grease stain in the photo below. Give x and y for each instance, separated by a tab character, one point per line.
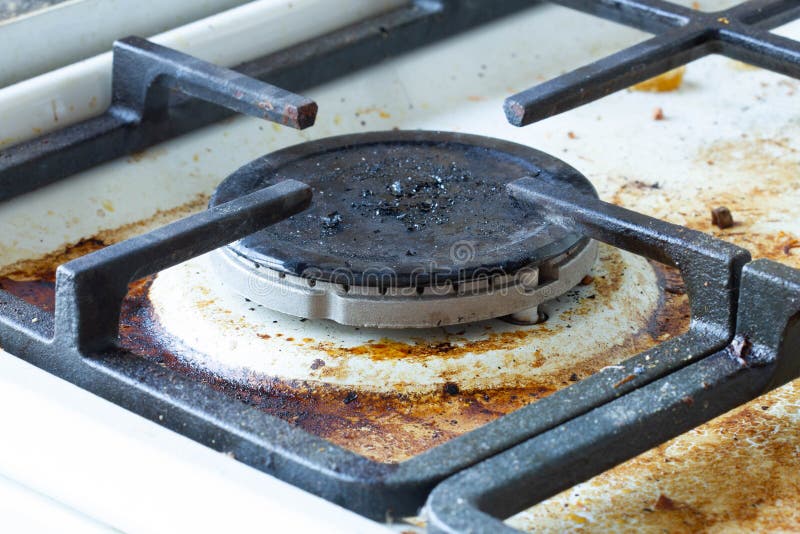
391	427
775	167
740	471
385	427
421	349
44	267
388	349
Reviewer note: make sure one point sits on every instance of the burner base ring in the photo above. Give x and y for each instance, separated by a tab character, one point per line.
406	307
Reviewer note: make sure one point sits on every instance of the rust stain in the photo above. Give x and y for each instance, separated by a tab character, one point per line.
40	293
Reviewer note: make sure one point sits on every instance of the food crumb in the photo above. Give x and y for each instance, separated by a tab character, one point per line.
669	81
790	244
664	503
332	220
658	114
451	388
572	135
624	381
586	280
721	217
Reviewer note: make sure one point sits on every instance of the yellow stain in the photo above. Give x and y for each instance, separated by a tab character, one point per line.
577	518
381	113
669	81
108	206
741	65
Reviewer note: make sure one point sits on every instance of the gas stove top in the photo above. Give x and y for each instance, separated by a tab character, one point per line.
418	319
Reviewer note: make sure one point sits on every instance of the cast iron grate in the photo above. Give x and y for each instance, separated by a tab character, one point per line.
764	354
77	342
682	35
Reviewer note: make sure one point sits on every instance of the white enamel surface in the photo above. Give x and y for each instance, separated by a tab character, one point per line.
126	474
25	510
82	90
75	30
229	338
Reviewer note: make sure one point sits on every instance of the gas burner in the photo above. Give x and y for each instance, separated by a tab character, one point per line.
406	230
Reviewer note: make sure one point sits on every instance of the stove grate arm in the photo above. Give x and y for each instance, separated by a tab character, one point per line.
90	289
765	354
145	74
682	35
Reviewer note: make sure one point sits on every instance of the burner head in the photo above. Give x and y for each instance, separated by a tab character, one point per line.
398	218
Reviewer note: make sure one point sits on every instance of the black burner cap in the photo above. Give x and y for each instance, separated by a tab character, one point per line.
404	208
